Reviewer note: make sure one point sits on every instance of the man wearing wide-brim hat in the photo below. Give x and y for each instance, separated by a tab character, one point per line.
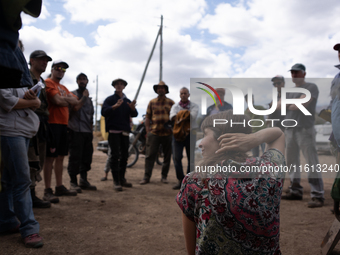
118	111
157	115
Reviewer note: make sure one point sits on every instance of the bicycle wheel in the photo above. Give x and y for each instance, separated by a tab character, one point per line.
160	156
133	156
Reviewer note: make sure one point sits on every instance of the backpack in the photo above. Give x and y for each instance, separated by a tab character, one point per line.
182	125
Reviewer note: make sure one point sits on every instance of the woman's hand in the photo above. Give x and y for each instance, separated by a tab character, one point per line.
236	142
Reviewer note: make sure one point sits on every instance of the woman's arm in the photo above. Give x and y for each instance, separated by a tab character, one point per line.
274	138
189	228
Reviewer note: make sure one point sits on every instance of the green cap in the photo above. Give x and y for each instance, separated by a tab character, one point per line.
298	67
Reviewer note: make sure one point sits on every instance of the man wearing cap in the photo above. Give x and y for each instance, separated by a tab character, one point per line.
59	99
212	109
302	136
178	145
80	132
278	83
157	115
37	149
117	110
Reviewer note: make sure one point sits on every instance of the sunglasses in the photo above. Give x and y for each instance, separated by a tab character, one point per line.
59	68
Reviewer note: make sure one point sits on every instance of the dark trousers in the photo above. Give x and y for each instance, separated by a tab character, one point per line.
178	156
189	144
80	154
152	146
119	145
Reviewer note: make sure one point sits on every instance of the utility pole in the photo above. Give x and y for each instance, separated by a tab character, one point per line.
161	51
159	33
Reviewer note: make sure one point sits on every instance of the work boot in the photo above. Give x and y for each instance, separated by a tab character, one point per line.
126	184
315	202
75	187
63	191
84	184
37	202
49	196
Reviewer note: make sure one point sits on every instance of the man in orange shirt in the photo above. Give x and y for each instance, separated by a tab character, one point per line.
59	99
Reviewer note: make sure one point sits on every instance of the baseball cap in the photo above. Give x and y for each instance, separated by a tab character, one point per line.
336	46
57	62
40	54
298	67
278	77
81	74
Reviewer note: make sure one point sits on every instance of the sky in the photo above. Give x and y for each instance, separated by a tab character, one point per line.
112	39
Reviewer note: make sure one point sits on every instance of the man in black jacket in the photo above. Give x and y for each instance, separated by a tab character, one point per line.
80	128
117	110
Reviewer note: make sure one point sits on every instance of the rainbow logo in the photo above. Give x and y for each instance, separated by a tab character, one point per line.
208	86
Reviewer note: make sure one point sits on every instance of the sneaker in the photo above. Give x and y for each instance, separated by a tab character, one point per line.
33	241
84	184
75	187
144	181
315	202
49	196
164	180
291	196
117	187
63	191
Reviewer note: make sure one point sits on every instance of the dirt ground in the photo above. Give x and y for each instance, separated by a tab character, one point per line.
146	219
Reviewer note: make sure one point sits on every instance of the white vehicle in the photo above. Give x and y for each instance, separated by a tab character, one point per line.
323	133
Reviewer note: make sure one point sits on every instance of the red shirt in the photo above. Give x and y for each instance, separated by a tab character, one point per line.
58	114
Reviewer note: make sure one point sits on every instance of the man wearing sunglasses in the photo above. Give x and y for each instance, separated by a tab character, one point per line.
59	100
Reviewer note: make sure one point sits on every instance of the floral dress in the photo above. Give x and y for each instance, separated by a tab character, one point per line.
236	213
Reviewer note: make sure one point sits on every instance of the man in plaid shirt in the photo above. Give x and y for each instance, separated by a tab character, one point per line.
157	115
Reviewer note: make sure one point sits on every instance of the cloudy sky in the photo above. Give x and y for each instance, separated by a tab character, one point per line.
201	39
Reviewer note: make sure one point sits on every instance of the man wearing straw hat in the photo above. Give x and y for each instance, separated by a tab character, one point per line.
157	115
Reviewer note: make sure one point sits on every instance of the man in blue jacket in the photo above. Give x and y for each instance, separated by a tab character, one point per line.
117	110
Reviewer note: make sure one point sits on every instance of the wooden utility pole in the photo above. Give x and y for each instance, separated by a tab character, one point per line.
147	63
161	50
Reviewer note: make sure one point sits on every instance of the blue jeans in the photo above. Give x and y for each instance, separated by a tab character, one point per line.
15	200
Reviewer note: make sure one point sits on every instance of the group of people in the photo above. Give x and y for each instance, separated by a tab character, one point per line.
161	113
222	212
40	124
236	212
